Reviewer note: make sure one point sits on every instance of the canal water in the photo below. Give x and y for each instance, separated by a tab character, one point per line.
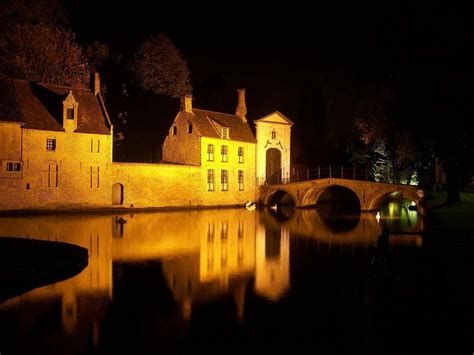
234	280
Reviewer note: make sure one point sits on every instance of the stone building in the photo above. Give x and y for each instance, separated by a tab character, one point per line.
56	153
55	146
223	145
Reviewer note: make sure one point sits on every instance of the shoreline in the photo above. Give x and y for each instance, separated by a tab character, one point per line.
26	264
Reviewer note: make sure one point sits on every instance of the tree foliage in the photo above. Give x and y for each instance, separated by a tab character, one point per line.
43	53
394	153
158	66
372	141
96	53
14	12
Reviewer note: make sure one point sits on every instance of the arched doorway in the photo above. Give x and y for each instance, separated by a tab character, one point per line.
273	166
117	194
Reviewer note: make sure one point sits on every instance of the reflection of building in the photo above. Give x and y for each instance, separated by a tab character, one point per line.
76	305
197	266
227	249
189	289
272	262
222	264
56	152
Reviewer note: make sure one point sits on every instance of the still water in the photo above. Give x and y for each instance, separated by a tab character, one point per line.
233	280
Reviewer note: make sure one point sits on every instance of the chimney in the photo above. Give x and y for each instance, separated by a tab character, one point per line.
96	84
187	103
241	109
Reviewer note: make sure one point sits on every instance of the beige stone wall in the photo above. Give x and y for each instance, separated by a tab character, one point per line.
10	141
182	148
158	185
170	185
61	178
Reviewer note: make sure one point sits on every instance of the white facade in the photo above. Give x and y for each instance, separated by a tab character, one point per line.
273	131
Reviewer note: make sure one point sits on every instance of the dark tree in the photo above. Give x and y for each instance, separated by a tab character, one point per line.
14	12
158	66
374	131
43	53
96	53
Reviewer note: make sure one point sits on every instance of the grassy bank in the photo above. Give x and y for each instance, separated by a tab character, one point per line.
27	263
458	217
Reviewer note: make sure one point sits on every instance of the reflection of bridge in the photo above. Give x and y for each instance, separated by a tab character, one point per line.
307	193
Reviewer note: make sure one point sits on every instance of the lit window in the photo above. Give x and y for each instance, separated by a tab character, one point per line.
241	180
190	128
210	180
224	180
70	113
13	166
51	144
240	153
210	152
225	133
224	153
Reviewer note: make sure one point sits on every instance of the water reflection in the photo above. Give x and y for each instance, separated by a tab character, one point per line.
188	261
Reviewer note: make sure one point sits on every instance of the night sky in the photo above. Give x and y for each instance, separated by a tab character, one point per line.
283	52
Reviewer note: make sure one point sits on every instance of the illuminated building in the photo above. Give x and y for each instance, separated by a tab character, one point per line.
56	153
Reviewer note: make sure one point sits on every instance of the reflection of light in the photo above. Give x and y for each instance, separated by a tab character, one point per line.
377	217
391	209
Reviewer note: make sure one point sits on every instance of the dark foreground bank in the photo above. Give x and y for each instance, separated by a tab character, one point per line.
28	263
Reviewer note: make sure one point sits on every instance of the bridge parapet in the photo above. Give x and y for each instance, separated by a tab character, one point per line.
330	171
370	194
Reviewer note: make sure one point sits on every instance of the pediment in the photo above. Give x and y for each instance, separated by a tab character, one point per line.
70	100
275	117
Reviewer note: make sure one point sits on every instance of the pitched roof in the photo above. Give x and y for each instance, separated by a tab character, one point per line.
39	106
9	107
205	122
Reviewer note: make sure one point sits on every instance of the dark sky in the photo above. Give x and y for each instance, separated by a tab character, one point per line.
279	51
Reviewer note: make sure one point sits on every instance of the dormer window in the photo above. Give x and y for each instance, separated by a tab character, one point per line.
225	133
70	113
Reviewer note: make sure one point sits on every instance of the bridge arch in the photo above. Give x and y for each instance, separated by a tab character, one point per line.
333	192
280	196
381	197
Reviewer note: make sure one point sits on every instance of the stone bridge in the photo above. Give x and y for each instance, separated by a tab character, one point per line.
370	194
